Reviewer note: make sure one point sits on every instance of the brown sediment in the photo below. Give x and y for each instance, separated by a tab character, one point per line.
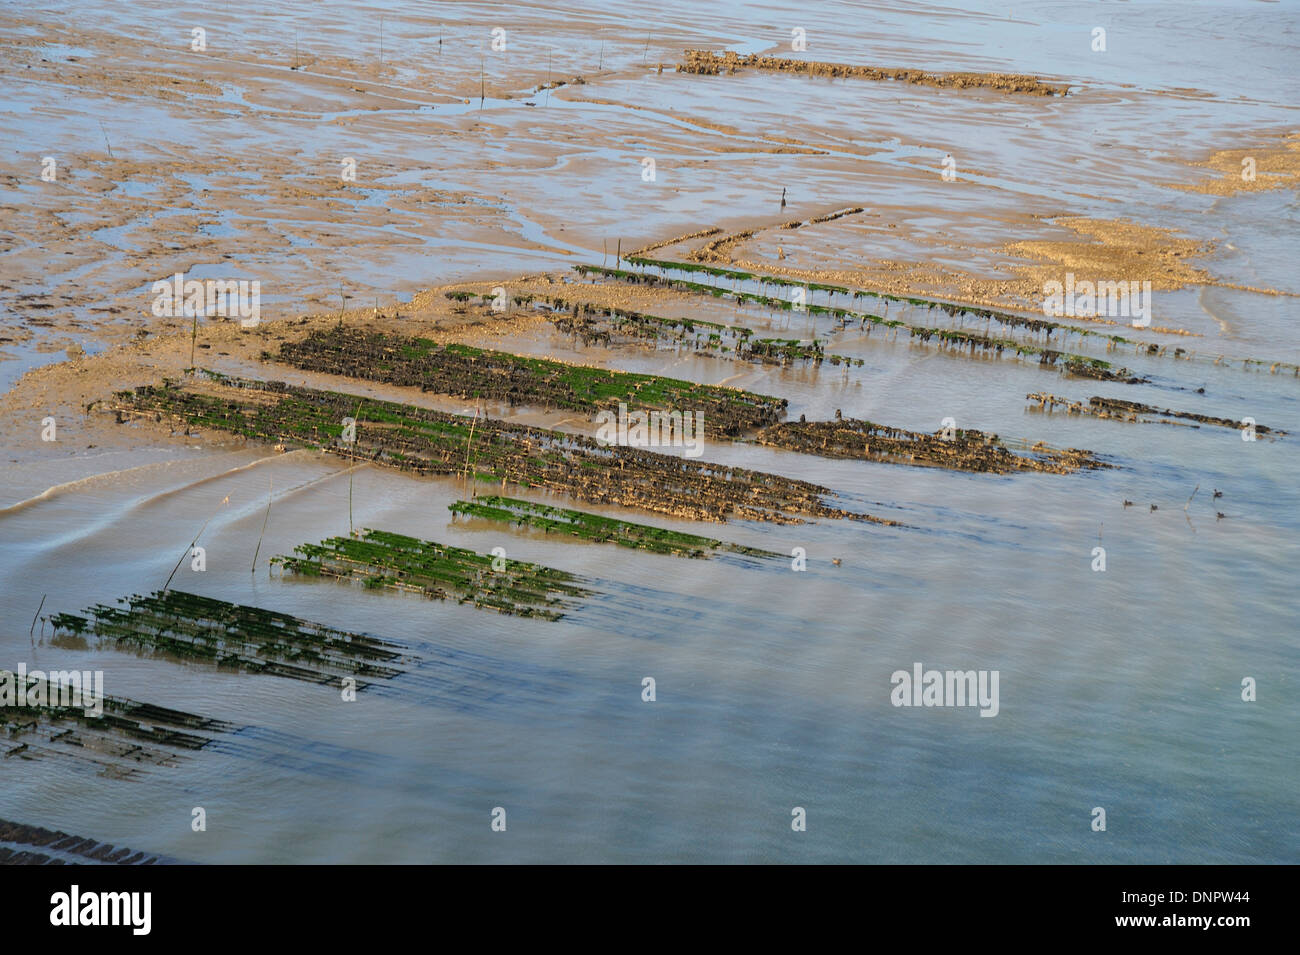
424	441
719	250
800	223
556	84
961	450
1134	411
1126	252
1275	167
1110	250
832	216
1116	251
713	64
467	372
54	840
701	234
696	121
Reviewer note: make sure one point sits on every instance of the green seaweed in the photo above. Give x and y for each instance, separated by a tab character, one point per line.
468	372
594	527
383	559
231	636
432	442
1078	364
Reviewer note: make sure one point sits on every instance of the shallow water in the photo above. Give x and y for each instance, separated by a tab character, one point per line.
1118	689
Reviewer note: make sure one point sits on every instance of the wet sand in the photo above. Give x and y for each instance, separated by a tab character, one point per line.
478	170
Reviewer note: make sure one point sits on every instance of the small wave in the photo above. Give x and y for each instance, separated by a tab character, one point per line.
68	486
164	495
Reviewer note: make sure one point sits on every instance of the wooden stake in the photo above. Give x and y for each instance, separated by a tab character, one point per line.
265	520
470	441
38	614
224	501
356	421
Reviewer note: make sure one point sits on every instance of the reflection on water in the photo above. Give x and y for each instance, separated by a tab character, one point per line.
1119	689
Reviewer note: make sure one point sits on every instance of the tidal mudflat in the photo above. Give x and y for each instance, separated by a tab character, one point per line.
516	434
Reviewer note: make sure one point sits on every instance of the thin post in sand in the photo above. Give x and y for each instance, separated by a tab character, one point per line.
352	451
265	521
32	631
224	501
470	441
